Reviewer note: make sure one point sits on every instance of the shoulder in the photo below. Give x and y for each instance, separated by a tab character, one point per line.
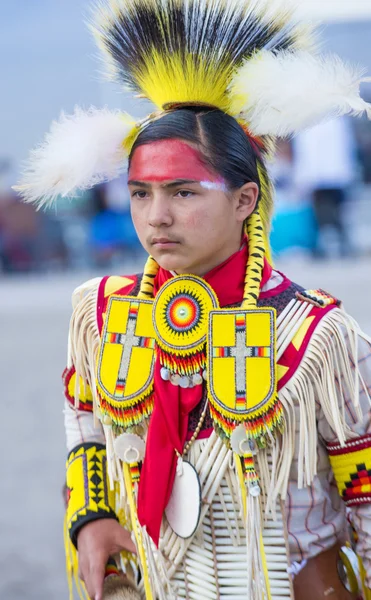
279	291
120	285
89	301
86	289
115	285
105	287
309	326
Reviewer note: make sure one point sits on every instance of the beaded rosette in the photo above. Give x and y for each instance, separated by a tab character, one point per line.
180	315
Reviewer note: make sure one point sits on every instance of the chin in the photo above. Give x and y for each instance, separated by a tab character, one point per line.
171	263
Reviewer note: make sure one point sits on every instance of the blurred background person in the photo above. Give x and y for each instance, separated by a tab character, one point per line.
325	169
19	228
29	240
112	236
293	225
106	228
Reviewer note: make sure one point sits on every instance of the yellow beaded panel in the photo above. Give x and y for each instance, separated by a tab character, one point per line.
126	360
242	382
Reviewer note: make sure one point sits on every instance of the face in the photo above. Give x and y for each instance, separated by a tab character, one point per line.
182	212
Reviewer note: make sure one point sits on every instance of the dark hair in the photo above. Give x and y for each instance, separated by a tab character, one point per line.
222	142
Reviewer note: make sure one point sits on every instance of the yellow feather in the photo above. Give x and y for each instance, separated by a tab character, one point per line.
177	79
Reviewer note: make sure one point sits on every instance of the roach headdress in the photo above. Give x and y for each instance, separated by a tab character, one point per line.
249	58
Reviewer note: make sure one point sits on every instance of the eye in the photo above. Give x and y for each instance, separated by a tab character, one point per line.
184	194
139	194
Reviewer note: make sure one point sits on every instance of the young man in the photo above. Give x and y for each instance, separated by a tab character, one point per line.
211	403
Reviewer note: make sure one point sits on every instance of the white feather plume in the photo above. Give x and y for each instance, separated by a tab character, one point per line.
284	93
79	151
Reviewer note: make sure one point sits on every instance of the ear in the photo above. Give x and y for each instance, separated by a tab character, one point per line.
246	199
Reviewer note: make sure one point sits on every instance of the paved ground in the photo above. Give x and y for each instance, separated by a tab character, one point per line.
34	316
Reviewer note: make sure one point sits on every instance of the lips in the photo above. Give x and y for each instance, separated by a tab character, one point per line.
163	241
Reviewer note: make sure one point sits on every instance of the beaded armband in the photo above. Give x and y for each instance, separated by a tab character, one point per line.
88	494
351	465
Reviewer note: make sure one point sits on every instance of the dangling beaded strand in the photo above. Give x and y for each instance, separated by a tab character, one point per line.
147	285
255	262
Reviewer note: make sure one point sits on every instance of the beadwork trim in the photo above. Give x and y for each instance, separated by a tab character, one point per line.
351	465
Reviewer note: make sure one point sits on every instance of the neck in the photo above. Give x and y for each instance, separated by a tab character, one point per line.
226	278
217	259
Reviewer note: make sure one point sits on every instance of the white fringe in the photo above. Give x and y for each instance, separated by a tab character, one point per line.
157	570
326	375
84	338
256	588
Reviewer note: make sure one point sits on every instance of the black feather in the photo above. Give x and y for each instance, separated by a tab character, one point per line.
186	27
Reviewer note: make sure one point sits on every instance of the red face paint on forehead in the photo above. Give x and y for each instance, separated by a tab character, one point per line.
167	160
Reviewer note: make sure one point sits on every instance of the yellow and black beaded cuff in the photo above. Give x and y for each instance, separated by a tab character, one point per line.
88	494
351	465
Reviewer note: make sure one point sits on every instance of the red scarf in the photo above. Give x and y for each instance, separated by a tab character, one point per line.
169	421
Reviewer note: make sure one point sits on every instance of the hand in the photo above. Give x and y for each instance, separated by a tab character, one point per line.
96	542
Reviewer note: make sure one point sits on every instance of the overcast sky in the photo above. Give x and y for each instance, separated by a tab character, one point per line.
48	63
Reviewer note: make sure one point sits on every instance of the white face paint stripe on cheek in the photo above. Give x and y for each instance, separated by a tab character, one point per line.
214	185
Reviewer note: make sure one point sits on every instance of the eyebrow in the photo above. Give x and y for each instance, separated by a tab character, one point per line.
174	183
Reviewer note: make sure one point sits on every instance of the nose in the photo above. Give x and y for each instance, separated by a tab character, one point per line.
160	211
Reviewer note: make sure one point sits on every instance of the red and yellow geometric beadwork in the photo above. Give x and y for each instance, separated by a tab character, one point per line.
351	465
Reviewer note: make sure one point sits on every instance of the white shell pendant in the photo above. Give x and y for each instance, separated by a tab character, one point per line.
184	507
129	447
241	444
